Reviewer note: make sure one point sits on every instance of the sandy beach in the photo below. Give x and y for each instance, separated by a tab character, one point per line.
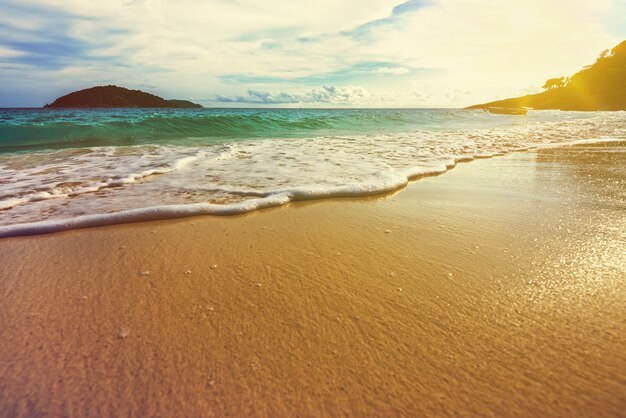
496	289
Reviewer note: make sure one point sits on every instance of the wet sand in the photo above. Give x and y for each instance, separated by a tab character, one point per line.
497	289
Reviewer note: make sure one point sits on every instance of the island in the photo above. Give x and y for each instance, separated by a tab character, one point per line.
116	97
601	86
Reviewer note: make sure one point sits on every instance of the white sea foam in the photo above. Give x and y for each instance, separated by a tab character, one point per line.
77	188
42	180
386	183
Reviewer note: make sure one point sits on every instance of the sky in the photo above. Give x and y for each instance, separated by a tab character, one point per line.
295	53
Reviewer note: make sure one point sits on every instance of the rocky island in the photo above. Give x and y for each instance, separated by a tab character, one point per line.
116	97
601	86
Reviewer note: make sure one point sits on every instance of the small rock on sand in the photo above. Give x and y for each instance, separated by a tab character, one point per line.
123	332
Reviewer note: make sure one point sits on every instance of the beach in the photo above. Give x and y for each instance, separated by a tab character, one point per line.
496	289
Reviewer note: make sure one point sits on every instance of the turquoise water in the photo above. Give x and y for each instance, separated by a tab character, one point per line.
70	168
33	129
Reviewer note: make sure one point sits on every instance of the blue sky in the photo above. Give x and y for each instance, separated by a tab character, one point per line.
383	53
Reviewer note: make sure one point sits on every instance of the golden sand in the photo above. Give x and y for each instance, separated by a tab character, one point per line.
497	289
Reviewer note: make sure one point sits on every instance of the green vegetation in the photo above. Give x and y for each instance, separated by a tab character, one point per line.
113	97
601	86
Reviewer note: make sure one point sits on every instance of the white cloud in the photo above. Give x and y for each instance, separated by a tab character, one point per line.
392	70
9	52
187	47
348	95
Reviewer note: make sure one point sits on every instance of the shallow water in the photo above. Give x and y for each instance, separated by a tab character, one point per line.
75	168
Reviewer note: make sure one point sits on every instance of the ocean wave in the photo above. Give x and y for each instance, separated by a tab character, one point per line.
31	130
76	128
47	191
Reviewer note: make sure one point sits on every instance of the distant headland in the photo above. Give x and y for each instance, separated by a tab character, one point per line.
601	86
114	96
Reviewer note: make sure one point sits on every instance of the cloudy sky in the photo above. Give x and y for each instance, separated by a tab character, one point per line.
301	53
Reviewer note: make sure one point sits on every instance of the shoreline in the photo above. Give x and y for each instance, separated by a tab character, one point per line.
400	181
494	290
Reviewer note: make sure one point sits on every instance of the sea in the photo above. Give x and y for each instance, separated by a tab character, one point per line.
71	168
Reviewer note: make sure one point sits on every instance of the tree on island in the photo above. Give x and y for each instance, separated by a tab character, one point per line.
604	54
554	83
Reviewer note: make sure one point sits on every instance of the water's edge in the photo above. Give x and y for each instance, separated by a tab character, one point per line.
393	183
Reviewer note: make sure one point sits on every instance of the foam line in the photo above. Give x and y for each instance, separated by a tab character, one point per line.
382	184
140	215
